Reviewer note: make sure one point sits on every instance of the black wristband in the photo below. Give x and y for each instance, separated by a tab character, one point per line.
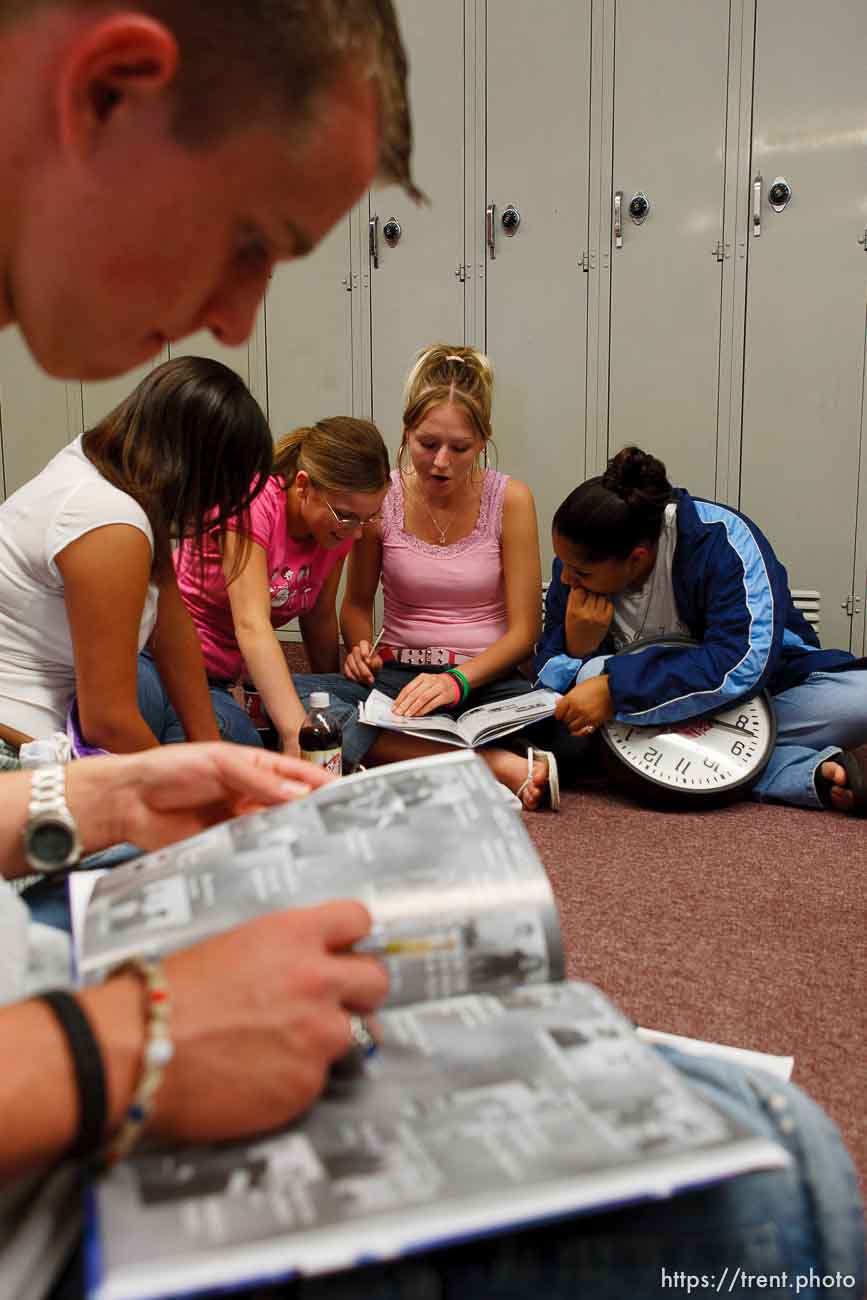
89	1071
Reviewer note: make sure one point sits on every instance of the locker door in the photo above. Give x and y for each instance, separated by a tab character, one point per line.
308	335
100	398
38	415
537	119
416	296
807	274
670	80
244	360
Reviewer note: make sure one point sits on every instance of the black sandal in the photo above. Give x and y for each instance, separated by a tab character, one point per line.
854	782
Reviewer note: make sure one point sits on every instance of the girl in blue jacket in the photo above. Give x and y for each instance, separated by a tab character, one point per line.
637	558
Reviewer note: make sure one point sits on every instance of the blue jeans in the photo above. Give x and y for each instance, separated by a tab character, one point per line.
234	722
822	715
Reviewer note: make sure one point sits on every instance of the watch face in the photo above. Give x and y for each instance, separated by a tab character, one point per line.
51	843
701	756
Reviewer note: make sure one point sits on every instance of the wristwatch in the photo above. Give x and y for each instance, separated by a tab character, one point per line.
51	840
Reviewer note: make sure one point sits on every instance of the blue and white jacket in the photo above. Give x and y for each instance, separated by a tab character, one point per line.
733	594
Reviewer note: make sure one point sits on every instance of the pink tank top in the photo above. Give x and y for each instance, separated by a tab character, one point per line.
446	596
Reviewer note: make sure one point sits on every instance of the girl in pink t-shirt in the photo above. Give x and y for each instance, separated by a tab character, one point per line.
458	555
327	487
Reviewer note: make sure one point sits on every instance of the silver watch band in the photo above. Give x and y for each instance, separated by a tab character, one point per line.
48	790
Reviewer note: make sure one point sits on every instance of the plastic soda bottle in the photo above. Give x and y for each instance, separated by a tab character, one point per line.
321	737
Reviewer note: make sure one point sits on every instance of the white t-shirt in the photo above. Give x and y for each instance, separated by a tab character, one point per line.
66	500
652	609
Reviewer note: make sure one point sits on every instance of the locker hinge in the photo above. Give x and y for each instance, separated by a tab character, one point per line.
862	240
462	272
347	283
721	251
852	605
587	261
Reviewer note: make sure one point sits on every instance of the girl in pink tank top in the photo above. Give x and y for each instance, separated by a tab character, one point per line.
458	555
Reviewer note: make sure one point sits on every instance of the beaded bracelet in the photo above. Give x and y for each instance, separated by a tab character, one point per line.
461	680
158	1051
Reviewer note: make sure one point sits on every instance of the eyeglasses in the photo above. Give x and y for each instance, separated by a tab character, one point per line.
351	522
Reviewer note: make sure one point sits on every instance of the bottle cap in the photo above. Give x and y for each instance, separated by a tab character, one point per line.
319	700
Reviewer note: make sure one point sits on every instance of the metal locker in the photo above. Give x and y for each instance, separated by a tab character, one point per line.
97	399
308	335
806	292
667	250
416	252
247	360
38	415
535	250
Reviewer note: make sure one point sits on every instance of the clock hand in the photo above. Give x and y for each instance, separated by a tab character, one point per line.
728	726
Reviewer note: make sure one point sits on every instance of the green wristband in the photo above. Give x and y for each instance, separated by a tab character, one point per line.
464	684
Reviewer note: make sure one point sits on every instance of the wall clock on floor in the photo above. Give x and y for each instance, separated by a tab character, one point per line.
697	763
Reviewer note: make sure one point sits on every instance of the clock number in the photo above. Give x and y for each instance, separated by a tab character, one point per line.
714	767
743	722
652	756
682	765
738	748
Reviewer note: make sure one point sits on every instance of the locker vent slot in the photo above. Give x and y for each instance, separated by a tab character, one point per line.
809	603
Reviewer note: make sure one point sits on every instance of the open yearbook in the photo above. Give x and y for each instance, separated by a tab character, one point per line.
472	727
501	1095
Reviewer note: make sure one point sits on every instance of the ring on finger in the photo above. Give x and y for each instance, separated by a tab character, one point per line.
362	1039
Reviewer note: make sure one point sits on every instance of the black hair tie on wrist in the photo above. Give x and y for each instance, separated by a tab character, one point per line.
89	1071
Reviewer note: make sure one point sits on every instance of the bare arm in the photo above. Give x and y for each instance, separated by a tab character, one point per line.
250	601
177	653
105	578
277	991
319	627
356	612
156	796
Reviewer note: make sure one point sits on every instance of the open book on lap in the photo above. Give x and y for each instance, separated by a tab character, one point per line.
477	726
501	1094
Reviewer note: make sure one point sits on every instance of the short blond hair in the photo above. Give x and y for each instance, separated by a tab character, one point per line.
245	60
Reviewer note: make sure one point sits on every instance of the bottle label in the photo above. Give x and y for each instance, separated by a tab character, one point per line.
330	759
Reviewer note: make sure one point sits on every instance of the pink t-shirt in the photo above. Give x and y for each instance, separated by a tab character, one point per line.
446	596
296	574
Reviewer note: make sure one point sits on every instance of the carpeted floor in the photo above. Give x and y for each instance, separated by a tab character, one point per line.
744	925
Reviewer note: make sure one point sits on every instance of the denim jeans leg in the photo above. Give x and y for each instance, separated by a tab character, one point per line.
346	695
233	721
824	714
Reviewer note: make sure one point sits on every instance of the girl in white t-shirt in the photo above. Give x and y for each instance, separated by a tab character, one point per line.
86	572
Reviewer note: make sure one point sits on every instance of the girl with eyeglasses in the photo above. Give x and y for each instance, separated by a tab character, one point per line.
325	492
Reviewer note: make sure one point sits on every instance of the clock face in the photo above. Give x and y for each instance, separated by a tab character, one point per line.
701	755
699	758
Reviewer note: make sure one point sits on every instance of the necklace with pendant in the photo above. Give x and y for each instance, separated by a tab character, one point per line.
443	532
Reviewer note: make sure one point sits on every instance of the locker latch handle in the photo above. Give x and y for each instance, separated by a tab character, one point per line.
757	206
373	240
490	230
618	219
